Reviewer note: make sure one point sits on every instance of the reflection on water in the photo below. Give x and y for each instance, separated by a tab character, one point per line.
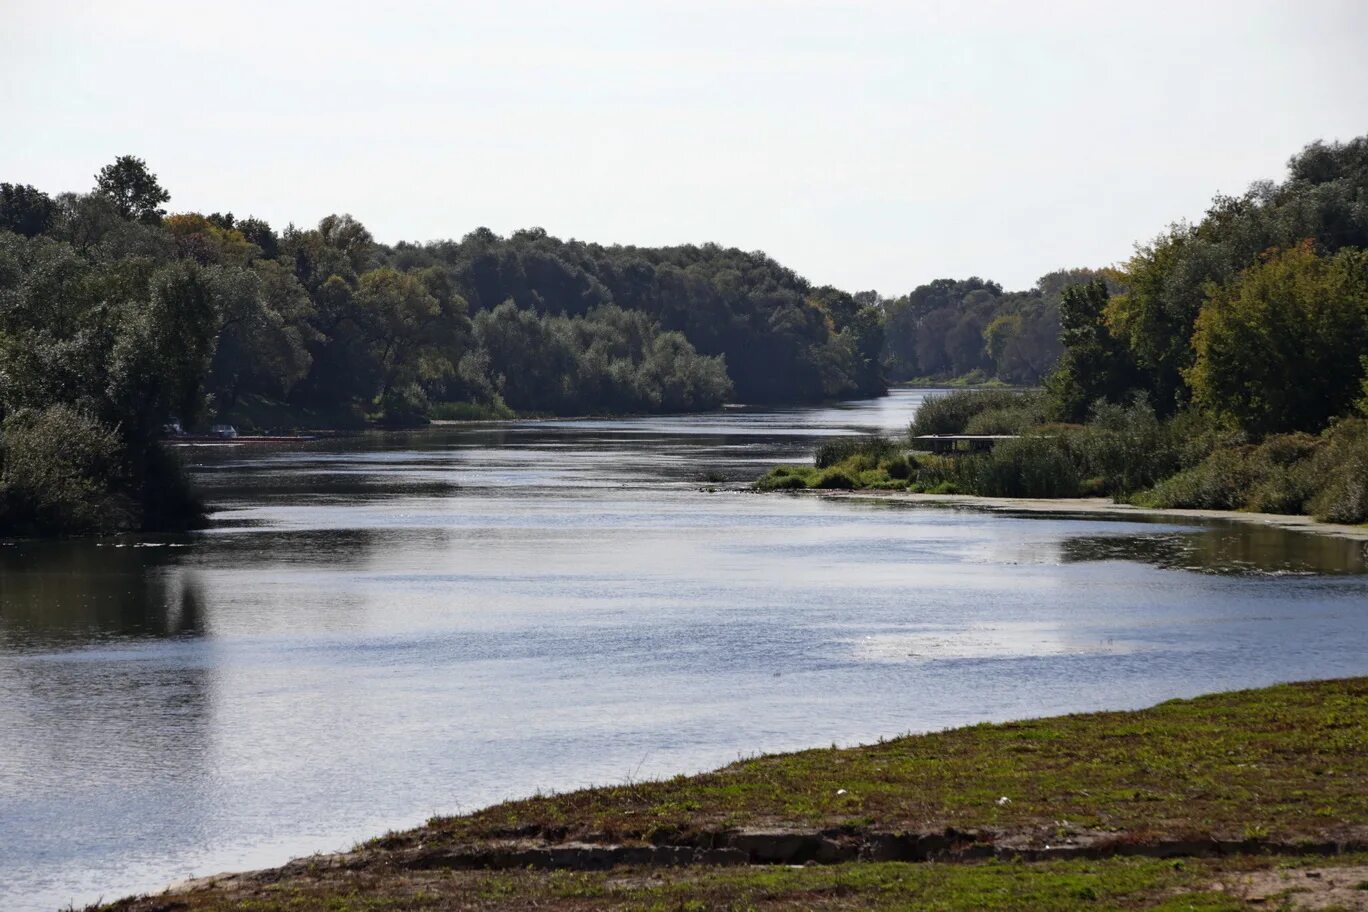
379	629
1226	547
62	594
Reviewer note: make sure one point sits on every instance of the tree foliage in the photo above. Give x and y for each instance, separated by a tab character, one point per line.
1281	348
1251	312
952	328
1095	366
116	317
132	188
24	209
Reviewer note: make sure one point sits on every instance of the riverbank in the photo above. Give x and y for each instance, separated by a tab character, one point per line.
1096	506
1256	793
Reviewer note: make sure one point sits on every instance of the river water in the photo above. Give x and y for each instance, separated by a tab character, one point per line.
377	630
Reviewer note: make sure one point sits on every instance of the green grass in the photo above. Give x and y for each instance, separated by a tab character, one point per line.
1281	763
1291	759
1116	883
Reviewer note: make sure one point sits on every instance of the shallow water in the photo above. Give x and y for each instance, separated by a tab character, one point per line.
382	629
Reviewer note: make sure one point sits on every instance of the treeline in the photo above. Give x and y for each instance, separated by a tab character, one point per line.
116	318
971	329
1258	313
1224	366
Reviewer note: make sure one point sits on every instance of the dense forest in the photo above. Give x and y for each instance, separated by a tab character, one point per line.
1225	365
117	318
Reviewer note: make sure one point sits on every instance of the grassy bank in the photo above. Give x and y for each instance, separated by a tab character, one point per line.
1195	885
1282	766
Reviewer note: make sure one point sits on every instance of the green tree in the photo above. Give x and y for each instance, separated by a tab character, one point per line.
132	188
408	338
25	210
1095	366
262	330
1281	347
62	471
162	350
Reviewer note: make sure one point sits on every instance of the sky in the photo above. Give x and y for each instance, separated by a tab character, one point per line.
869	145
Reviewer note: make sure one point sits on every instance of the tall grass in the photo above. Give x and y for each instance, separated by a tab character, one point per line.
953	412
873	446
1025	467
1324	476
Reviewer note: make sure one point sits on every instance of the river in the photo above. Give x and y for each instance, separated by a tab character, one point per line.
380	629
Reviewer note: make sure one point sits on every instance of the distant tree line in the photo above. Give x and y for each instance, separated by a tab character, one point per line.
972	329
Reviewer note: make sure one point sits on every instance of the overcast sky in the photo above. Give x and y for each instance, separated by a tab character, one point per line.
864	144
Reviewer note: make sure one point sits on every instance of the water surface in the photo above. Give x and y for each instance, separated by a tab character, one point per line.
381	629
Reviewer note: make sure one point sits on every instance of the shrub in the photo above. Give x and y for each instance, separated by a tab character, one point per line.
898	467
169	502
931	471
1326	476
1197	434
1124	448
1341	466
874	446
1282	470
470	411
1003	421
781	482
64	472
833	479
951	413
1025	467
1222	481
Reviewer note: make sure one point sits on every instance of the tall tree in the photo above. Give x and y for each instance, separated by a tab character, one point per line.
133	188
1095	366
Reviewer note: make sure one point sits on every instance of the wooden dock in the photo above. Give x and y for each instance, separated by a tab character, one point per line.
960	443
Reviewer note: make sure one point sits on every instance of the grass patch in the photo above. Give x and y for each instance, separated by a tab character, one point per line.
1292	759
1114	883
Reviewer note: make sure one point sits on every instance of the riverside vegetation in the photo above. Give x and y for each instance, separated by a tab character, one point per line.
1225	366
1124	452
116	318
1257	785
